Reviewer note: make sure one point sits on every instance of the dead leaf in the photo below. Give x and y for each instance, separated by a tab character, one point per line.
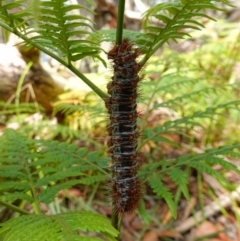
205	229
150	235
214	239
188	209
167	217
170	234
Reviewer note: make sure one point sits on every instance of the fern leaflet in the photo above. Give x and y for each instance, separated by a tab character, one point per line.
45	168
64	227
179	16
162	191
57	28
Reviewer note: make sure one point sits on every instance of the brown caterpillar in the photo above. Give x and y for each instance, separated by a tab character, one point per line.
126	186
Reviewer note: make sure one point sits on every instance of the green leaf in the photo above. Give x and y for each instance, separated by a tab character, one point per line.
11	197
180	179
64	227
162	18
162	191
49	193
203	167
17	186
177	16
143	213
45	167
53	28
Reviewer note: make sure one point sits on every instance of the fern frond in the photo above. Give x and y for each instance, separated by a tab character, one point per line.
174	17
233	154
161	190
204	167
179	100
10	108
202	162
47	194
109	35
190	120
57	29
45	167
208	158
13	185
180	178
7	196
68	109
64	227
222	162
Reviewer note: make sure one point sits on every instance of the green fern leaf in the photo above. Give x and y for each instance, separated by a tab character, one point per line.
180	178
59	227
224	163
110	36
10	108
47	194
179	16
68	109
45	167
202	162
56	177
203	167
57	29
11	197
191	120
13	174
162	191
48	170
187	97
93	179
13	185
232	154
9	168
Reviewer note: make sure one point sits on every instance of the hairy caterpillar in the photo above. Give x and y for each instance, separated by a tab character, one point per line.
126	186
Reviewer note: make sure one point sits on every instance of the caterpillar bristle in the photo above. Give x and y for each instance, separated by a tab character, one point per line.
123	141
125	194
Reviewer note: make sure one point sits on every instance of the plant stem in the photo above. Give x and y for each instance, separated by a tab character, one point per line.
120	19
116	222
14	208
19	88
36	203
